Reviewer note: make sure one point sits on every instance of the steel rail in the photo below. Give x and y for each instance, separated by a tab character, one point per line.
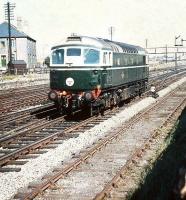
28	111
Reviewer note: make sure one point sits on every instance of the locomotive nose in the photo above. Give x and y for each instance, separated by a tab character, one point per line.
75	80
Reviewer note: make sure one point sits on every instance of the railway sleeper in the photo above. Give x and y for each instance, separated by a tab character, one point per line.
6	169
17	162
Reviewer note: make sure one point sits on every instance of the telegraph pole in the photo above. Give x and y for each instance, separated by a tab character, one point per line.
166	52
111	30
9	15
146	43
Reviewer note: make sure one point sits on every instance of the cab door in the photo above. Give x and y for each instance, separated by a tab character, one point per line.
107	71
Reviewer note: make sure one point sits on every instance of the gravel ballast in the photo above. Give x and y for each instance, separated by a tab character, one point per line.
38	167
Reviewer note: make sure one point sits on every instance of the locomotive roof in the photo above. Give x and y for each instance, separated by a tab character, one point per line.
101	44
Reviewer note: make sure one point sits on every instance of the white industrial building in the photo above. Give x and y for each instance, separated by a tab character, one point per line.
23	47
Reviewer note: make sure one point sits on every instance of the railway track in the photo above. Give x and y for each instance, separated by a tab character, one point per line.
4	94
94	168
16	121
22	112
36	136
21	103
164	79
117	187
14	100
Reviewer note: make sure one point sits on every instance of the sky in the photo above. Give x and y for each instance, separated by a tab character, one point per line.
134	21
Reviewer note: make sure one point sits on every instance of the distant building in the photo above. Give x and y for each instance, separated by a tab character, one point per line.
23	47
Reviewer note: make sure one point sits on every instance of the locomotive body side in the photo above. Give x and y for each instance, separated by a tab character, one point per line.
127	68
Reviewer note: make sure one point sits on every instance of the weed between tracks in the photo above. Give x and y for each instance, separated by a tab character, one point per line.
159	180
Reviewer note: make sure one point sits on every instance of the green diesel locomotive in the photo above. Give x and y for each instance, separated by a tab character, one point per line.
94	73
